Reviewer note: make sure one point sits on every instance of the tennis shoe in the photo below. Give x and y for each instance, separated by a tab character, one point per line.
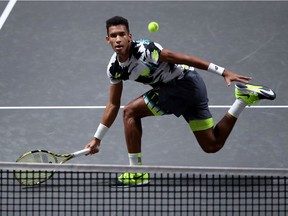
133	179
252	94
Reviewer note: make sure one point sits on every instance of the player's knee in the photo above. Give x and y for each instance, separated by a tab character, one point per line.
127	112
211	148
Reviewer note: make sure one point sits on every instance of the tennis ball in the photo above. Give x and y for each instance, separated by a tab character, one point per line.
153	26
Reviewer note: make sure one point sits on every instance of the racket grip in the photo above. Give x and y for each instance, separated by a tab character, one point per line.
81	152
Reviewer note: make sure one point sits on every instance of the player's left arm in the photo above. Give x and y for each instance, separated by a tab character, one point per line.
181	58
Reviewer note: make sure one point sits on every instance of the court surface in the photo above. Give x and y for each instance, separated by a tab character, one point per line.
53	53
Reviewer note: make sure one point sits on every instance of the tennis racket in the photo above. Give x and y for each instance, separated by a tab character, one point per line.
33	177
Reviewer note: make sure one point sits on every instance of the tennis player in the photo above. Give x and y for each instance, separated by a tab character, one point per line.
176	89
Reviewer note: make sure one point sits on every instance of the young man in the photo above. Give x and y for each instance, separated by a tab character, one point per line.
176	89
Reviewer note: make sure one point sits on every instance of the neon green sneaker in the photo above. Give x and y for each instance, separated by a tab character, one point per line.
251	94
133	179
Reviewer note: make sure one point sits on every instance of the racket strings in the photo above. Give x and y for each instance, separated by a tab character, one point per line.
34	177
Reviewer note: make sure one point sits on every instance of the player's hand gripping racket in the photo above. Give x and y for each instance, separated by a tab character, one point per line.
30	178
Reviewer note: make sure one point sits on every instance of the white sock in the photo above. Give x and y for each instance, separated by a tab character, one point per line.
238	106
135	159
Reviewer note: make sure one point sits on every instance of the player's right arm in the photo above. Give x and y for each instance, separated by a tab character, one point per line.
109	114
113	105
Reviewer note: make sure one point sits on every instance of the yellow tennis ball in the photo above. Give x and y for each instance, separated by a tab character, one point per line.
153	26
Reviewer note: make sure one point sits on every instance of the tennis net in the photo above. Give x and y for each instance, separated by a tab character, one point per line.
87	190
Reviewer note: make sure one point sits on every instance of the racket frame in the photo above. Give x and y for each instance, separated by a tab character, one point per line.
55	156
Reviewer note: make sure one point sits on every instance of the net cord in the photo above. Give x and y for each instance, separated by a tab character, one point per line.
240	171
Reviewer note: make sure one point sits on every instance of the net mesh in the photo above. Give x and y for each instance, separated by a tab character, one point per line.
87	190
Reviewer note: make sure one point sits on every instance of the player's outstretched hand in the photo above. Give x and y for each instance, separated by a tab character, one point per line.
93	145
230	76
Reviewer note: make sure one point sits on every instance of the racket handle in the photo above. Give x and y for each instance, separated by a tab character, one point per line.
81	152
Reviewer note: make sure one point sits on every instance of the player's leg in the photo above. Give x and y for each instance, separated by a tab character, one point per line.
146	105
132	114
213	139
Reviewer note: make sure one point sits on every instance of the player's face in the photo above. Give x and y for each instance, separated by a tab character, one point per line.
119	38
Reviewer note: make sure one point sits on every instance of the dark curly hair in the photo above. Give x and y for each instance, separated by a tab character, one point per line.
117	20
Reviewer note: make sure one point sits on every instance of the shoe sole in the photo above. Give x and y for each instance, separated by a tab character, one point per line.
263	91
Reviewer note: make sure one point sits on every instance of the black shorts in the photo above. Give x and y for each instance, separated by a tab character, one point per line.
186	97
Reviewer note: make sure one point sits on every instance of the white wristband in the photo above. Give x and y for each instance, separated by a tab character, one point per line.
216	69
101	131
